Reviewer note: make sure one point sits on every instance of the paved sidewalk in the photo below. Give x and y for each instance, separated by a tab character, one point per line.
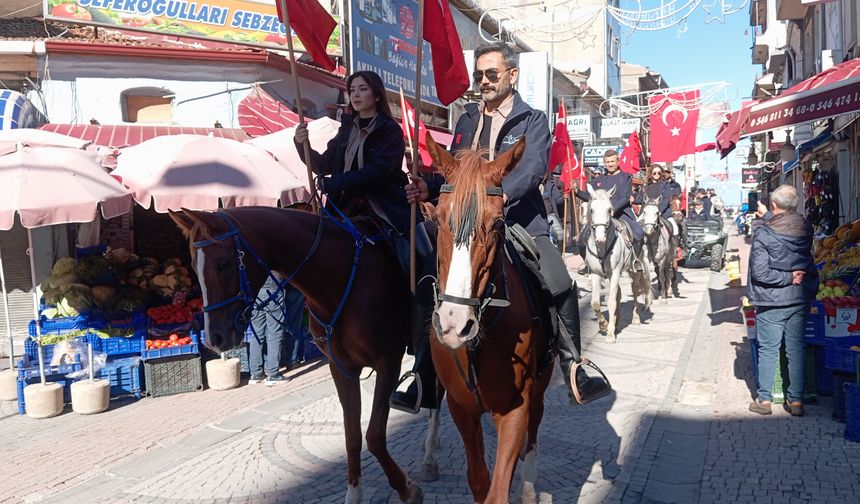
676	430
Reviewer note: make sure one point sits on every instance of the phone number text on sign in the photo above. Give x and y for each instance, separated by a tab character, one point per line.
825	106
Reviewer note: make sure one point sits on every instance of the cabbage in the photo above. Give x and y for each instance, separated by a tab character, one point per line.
64	266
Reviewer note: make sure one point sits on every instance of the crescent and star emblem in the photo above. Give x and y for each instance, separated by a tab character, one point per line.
675	131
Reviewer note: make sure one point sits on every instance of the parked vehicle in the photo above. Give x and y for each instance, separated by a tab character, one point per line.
706	241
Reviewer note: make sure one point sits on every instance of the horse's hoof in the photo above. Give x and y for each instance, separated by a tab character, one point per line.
429	472
611	338
603	327
636	321
665	300
416	495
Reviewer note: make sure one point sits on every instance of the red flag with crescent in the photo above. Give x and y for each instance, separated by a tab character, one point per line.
674	119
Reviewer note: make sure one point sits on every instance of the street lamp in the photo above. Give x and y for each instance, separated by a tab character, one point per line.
752	158
788	152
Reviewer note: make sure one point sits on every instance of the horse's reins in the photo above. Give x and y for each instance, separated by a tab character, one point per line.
479	303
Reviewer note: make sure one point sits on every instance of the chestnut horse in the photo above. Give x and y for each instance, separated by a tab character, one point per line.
487	356
354	289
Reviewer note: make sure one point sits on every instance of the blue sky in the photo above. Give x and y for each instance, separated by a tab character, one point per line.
702	53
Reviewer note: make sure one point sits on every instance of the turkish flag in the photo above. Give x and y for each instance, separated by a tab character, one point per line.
407	124
313	25
629	162
449	67
673	125
571	173
561	152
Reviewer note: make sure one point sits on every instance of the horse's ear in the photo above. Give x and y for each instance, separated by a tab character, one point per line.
611	192
506	162
196	218
428	210
441	158
182	221
590	189
657	199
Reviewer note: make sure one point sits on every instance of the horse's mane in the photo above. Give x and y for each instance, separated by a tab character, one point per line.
469	195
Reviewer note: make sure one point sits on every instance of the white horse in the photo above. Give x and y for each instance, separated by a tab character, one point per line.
609	260
660	244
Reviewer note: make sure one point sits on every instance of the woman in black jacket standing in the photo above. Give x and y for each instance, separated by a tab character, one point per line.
361	167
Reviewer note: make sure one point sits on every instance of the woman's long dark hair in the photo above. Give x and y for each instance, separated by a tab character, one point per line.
651	173
375	82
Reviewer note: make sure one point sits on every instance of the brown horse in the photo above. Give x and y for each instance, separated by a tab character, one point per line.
233	251
486	355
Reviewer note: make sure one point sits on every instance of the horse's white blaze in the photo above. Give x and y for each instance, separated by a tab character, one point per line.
201	269
353	494
453	317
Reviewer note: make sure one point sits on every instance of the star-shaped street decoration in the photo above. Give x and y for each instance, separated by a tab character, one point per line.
676	131
715	5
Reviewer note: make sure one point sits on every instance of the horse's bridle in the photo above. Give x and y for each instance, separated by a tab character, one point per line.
245	295
486	299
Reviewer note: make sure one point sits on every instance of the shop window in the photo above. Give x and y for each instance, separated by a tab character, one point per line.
147	105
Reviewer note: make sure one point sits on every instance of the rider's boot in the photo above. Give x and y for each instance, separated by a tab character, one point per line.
589	388
411	401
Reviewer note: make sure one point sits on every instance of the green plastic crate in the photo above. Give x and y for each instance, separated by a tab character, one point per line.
173	375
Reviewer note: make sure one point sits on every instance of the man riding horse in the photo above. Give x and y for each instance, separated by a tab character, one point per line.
494	126
622	198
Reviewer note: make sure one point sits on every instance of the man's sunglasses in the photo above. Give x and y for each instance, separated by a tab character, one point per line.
492	74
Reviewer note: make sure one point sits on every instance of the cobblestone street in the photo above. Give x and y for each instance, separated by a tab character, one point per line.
675	430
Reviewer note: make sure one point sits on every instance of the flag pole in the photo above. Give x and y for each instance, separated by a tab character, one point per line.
564	227
306	147
413	221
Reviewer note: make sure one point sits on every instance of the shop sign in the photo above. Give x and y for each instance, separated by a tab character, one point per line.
750	176
616	127
533	84
579	127
251	22
592	155
802	108
383	39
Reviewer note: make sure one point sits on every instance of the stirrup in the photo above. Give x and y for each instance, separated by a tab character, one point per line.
417	406
577	394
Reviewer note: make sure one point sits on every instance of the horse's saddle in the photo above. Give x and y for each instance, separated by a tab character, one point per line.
521	250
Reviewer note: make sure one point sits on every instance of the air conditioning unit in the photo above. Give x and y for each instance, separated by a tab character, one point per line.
830	58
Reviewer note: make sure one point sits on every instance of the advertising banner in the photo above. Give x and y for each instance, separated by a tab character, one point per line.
616	127
533	83
579	127
592	155
750	176
798	108
252	22
384	40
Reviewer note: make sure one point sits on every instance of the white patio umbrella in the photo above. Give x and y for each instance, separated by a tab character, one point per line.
47	184
280	143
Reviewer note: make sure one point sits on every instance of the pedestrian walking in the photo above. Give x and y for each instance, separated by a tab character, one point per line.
268	334
782	282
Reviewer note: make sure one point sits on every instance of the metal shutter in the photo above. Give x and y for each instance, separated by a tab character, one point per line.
19	286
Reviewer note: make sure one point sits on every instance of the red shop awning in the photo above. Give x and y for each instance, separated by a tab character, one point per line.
127	135
261	114
729	133
831	93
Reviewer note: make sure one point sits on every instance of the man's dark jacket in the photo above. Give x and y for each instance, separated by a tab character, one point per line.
522	185
781	244
380	180
623	184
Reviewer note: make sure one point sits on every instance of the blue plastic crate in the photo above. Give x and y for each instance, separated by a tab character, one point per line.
837	355
814	330
28	374
60	325
124	375
131	343
91	251
823	376
158	353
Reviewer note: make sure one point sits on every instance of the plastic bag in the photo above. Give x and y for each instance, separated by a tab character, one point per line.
66	351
